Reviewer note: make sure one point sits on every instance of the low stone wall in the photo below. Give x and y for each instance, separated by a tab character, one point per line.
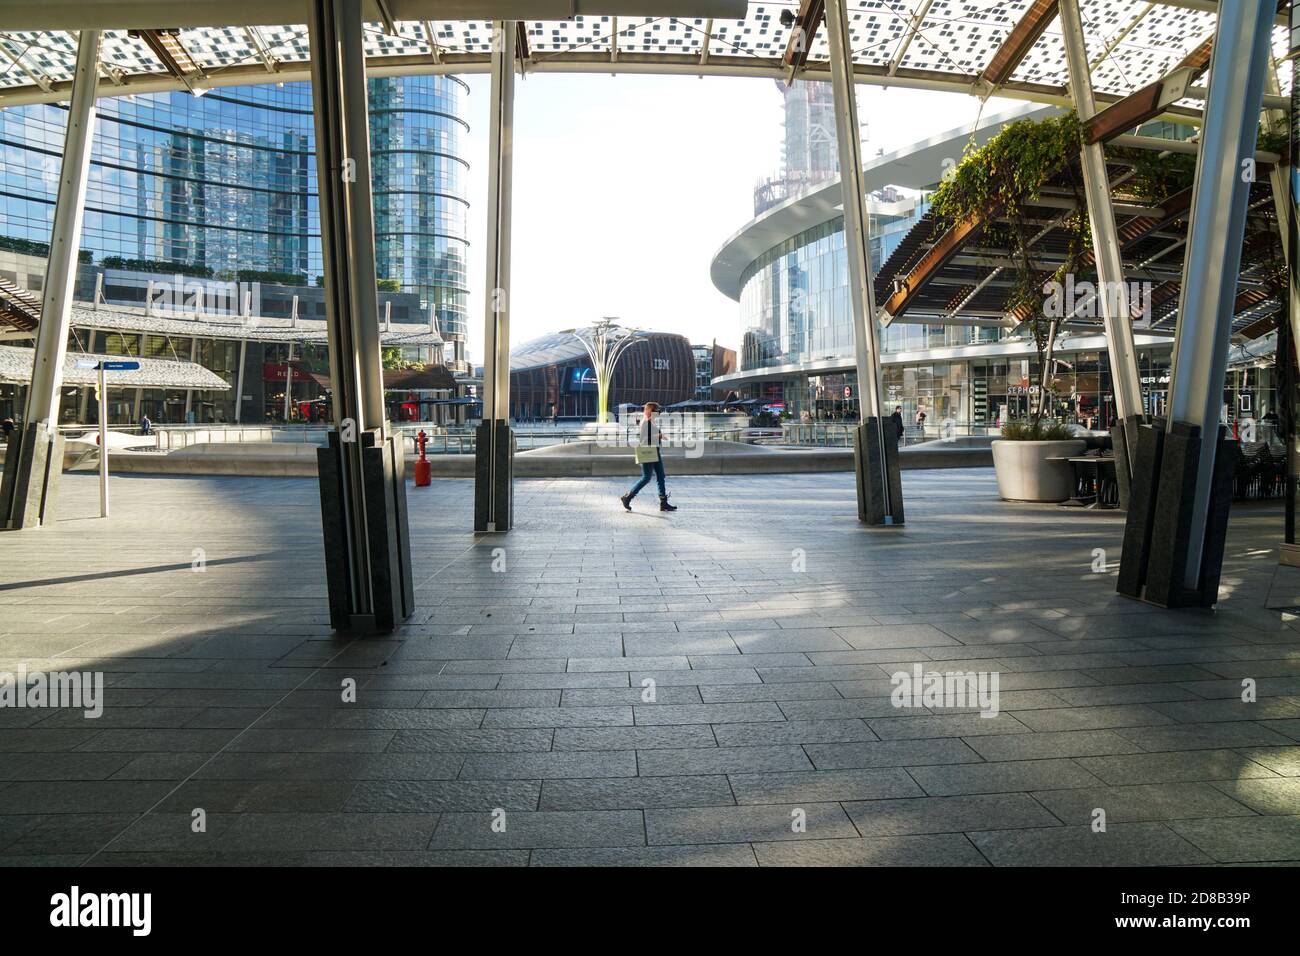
286	460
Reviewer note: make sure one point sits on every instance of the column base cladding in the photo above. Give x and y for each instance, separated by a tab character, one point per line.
875	475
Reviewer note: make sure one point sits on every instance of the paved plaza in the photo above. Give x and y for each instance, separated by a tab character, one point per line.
707	687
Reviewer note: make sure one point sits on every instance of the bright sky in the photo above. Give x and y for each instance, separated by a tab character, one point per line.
625	187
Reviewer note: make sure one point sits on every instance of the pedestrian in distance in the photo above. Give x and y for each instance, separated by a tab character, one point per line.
650	456
897	419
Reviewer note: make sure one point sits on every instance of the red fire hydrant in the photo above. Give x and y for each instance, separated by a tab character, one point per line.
423	471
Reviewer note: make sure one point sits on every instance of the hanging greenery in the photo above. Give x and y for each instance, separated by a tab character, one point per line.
1003	179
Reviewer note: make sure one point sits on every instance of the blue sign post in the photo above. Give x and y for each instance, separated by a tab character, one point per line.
123	365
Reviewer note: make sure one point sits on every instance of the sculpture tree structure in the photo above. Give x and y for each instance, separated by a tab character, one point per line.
605	343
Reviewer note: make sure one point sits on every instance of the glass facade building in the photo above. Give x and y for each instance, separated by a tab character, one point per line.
224	185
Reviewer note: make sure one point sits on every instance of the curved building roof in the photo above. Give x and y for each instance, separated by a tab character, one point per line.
917	166
954	45
559	347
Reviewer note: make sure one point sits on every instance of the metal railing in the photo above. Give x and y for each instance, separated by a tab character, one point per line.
840	434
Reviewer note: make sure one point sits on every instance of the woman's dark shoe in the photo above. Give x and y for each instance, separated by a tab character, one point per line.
627	501
664	505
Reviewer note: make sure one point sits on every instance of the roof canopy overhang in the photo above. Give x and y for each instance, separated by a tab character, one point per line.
979	47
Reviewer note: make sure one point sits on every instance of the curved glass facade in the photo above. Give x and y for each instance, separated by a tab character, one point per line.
794	299
226	183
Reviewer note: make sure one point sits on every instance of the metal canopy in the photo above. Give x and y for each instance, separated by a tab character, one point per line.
968	46
974	279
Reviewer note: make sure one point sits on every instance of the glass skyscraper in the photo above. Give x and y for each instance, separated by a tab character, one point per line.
225	185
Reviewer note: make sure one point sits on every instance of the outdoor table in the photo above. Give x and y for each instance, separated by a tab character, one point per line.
1099	473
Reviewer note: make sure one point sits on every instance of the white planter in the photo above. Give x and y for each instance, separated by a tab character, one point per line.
1024	474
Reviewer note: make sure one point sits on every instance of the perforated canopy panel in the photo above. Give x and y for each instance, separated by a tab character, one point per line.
939	44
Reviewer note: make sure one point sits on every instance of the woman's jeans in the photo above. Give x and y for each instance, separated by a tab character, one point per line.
649	468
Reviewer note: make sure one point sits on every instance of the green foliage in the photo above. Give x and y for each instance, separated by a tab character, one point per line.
999	180
389	285
31	247
276	278
1023	429
392	358
157	265
1008	170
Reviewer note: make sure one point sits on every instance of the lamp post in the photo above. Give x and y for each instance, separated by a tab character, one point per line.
605	343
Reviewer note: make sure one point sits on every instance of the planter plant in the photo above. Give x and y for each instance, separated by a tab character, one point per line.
999	182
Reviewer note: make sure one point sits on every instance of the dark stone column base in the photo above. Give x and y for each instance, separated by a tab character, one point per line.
1157	531
494	494
874	476
29	489
1124	439
390	582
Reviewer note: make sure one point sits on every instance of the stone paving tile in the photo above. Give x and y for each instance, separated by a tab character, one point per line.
1204	736
62	766
1244	839
704	760
584	763
878	818
276	796
1280	795
621	793
743	693
890	753
609	697
946	849
791	732
81	796
1124	844
675	736
718	854
331	766
822	786
471	741
747	824
52	835
522	717
1177	767
522	691
945	725
539	828
1134	804
434	796
1283	760
648	714
1003	777
1093	718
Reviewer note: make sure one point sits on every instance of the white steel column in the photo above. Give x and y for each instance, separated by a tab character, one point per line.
866	334
61	268
1213	258
239	382
189	392
1112	295
493	469
496	317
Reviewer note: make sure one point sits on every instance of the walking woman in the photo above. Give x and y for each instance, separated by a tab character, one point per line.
650	456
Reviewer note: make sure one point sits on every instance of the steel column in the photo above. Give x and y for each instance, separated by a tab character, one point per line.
1126	380
1175	530
879	491
35	456
493	476
1213	259
363	495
